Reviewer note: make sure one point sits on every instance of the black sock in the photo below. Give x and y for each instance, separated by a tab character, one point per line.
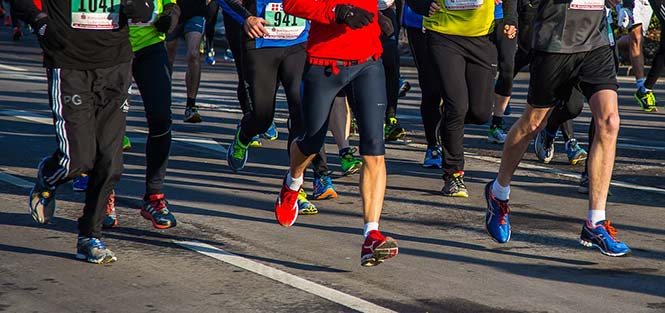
191	102
497	121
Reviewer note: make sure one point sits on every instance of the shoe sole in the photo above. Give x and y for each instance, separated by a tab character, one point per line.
329	194
114	225
577	159
590	244
149	217
431	166
492	140
352	170
487	229
37	209
309	211
193	119
384	251
78	189
456	195
94	261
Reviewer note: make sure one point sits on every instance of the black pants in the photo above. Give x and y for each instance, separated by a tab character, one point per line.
151	73
211	20
234	37
506	49
89	112
390	60
659	59
428	79
465	65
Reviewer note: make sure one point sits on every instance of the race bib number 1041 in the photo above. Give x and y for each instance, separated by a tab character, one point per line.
96	14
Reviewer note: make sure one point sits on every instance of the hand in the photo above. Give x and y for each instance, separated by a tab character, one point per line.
138	10
48	39
386	25
433	8
254	27
497	2
168	21
352	16
510	31
625	18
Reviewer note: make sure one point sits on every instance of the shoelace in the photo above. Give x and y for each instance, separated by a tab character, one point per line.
504	209
349	153
611	230
160	206
96	243
457	180
238	150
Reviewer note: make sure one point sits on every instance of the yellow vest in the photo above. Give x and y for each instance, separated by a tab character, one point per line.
475	22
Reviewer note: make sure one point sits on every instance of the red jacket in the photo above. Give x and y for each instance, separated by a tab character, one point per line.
329	40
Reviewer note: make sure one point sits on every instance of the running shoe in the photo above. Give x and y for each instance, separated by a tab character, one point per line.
236	155
603	236
255	142
404	87
202	46
454	185
80	183
377	248
496	217
508	110
271	134
350	164
228	55
126	144
575	152
93	250
496	134
304	206
192	115
433	157
323	188
286	206
111	218
647	101
210	57
154	209
42	198
17	33
583	187
544	146
393	131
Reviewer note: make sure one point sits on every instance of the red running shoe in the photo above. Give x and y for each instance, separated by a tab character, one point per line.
286	207
377	248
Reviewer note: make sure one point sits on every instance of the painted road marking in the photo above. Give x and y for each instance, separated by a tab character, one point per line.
12	68
8	178
283	277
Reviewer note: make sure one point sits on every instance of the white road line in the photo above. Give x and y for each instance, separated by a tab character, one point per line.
33	117
12	68
15	180
283	277
203	142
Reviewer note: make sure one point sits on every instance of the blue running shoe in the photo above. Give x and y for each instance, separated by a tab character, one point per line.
496	218
575	152
508	110
603	236
271	134
433	157
236	155
93	250
42	197
255	142
404	87
323	188
80	183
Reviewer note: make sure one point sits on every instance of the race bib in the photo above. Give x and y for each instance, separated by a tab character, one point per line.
282	26
96	14
456	5
589	5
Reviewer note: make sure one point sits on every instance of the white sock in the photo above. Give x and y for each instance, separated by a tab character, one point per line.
293	183
500	192
370	227
596	216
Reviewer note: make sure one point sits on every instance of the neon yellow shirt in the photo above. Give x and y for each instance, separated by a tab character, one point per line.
470	18
142	35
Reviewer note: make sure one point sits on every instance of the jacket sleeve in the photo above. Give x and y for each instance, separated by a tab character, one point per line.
25	10
421	7
628	4
313	10
510	15
235	9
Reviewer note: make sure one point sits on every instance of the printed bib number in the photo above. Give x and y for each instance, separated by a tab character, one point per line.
96	14
282	25
456	5
589	5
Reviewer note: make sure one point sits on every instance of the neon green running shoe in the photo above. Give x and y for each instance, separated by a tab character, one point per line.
236	155
393	131
647	101
350	164
304	206
126	144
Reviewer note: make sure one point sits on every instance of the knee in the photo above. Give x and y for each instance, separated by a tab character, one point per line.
193	56
373	162
608	126
527	126
478	117
158	126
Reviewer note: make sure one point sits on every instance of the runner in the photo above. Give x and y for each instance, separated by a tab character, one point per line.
87	61
459	39
635	16
388	21
649	105
340	127
192	26
565	58
212	11
506	49
342	54
428	79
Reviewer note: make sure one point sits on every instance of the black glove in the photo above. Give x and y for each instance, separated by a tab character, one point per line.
168	21
421	7
48	38
138	10
353	16
386	25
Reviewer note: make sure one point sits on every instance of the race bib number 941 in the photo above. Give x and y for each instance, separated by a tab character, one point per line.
282	25
96	14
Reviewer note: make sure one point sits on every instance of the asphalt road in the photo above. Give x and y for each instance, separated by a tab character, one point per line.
228	254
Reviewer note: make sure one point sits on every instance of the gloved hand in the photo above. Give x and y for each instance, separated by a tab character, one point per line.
625	18
138	10
168	21
48	38
353	16
386	25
